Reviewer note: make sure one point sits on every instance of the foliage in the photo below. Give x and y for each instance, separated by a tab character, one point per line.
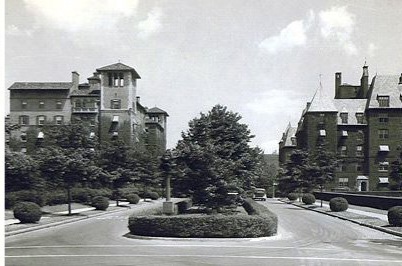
153	195
56	197
308	199
295	169
395	176
21	172
260	223
293	196
100	203
27	212
133	198
214	156
36	196
395	216
338	204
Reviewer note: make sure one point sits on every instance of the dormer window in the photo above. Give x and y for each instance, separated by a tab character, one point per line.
293	140
360	118
344	118
41	105
58	105
383	101
24	105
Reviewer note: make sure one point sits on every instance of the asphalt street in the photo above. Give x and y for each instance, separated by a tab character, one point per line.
304	238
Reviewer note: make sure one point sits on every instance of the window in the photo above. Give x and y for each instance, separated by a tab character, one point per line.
359	150
23	137
360	118
24	120
383	118
383	133
343	181
41	105
342	168
383	101
78	103
24	105
116	79
344	118
343	151
41	120
58	120
115	104
92	121
23	150
360	135
58	105
383	166
359	167
293	139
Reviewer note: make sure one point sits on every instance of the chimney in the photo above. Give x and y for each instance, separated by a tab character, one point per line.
138	99
400	79
364	83
338	83
75	78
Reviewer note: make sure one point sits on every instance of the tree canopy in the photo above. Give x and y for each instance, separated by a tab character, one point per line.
215	157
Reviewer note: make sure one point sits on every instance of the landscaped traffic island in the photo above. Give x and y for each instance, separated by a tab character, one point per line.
257	222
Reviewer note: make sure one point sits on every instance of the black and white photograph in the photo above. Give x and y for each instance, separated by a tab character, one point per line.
202	132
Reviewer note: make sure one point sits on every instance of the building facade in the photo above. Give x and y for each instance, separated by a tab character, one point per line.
362	124
107	103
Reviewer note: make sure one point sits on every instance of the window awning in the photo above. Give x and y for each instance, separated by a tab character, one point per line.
384	148
40	135
116	118
383	180
384	163
362	177
323	133
115	134
344	133
92	134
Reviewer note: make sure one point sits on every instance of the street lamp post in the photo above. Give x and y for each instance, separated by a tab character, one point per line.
167	164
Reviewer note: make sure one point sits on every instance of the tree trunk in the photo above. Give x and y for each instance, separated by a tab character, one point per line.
69	199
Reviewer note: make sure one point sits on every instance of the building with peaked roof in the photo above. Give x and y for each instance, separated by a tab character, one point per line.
362	125
108	103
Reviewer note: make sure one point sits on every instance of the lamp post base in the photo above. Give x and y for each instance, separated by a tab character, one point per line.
168	208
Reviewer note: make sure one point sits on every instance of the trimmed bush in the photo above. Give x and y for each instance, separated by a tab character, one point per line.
100	203
184	205
338	204
292	196
133	198
308	199
37	197
395	216
27	212
57	197
153	195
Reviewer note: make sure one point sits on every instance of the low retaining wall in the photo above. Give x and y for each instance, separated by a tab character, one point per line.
378	202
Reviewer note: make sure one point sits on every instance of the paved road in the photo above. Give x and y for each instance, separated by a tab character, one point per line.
304	238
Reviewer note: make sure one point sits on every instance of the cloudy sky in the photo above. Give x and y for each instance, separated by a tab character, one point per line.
260	58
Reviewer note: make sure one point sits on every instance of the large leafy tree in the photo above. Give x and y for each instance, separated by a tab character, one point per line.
294	171
395	180
215	157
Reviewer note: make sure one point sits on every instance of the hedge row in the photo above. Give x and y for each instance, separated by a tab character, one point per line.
260	222
42	198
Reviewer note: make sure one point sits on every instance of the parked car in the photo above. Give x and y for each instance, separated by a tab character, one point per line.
259	194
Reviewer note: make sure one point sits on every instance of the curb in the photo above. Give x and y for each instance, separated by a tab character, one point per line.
72	220
379	228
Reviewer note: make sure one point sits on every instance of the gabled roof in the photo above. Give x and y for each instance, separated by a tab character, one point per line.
41	86
321	103
156	110
385	86
351	107
119	67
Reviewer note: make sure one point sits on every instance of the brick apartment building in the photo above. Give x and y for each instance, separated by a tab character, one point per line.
107	103
362	125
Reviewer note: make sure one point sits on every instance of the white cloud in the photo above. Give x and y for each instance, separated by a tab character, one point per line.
337	24
294	34
151	24
76	15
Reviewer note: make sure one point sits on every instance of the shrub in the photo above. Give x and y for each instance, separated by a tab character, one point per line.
57	197
128	191
184	205
100	203
27	212
81	195
133	198
292	196
338	204
153	195
395	216
308	198
37	197
10	199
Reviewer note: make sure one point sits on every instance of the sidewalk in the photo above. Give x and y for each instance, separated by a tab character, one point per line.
365	216
50	219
